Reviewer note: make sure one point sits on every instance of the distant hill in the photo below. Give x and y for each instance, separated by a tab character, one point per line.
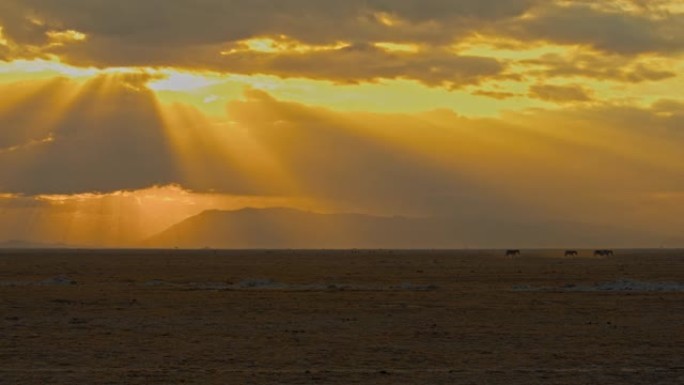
288	228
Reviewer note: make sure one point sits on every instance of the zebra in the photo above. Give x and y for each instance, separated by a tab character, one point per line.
571	253
604	253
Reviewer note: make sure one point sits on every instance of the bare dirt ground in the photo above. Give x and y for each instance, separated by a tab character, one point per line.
314	317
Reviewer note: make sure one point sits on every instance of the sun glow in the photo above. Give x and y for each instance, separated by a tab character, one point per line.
398	47
128	217
263	45
177	81
279	44
387	19
503	48
45	68
59	38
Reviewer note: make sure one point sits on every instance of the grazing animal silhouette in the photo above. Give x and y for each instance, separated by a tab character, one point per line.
513	253
603	253
571	253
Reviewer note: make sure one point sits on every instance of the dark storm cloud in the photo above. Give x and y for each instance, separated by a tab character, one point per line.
185	22
19	24
354	64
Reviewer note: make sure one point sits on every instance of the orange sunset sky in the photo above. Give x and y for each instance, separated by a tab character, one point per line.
120	118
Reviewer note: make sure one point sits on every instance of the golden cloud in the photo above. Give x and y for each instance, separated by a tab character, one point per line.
349	41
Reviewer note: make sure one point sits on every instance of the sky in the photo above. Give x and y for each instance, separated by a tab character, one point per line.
121	118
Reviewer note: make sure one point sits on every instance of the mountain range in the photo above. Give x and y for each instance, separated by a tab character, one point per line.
277	228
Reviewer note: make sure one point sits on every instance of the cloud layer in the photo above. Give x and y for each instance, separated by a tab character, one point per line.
339	41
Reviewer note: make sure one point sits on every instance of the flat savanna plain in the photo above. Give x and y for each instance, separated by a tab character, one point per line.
339	317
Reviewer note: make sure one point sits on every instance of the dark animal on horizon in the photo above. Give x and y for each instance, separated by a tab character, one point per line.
604	253
571	253
513	253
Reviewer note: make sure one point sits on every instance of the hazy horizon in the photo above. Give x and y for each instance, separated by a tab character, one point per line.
285	228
